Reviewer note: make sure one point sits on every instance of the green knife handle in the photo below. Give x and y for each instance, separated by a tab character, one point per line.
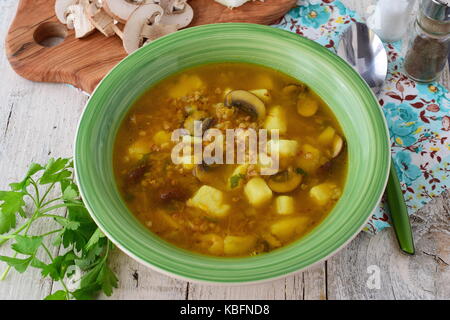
399	213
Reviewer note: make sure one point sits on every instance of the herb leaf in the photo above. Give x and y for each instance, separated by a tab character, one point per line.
87	247
58	295
234	180
27	245
21	265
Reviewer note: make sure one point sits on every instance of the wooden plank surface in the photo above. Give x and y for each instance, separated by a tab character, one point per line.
83	63
39	120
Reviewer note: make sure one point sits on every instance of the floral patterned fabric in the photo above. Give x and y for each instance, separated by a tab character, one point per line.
418	115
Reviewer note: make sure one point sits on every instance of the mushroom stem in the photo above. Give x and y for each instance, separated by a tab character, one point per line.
117	31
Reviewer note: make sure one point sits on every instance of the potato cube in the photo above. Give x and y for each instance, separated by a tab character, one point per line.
186	85
162	138
276	120
257	191
235	245
211	201
324	192
307	106
310	158
327	136
263	80
139	148
285	148
284	205
213	243
263	94
287	228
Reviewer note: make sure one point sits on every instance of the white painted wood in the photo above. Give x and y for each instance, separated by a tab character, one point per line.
39	120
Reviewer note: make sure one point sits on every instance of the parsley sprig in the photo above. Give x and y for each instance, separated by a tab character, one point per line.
86	249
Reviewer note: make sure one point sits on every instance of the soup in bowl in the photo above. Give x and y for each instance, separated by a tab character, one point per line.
162	170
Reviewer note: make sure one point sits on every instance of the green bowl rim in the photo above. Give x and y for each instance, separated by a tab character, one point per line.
219	27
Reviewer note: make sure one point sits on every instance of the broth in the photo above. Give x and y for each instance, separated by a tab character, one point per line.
230	209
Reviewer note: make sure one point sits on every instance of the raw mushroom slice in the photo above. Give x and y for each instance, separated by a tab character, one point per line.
61	7
246	102
156	30
179	18
121	10
77	19
172	6
144	26
99	18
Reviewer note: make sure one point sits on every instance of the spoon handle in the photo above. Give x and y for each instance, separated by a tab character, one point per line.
399	213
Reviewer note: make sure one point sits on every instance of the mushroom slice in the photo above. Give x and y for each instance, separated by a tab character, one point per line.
284	181
156	30
176	12
338	144
203	173
61	7
143	16
77	19
121	10
246	102
99	18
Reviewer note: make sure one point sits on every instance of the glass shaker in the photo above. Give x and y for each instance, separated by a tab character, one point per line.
390	19
429	45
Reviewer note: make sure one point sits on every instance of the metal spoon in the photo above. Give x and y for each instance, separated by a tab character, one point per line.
364	51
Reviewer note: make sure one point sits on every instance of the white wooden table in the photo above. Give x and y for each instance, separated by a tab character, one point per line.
39	120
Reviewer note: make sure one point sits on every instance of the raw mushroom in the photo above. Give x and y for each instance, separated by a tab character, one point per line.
99	18
60	9
121	10
144	26
284	181
176	12
246	102
77	19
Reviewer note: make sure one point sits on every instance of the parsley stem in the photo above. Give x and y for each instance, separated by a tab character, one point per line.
63	205
25	226
55	216
36	191
5	273
50	201
51	232
46	193
51	259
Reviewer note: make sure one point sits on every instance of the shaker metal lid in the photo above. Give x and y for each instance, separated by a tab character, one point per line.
437	9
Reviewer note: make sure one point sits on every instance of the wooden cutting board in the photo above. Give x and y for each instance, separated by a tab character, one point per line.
84	62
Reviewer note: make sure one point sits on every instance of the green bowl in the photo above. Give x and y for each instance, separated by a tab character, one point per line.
330	77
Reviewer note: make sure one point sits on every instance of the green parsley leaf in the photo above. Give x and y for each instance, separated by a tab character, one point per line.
87	247
70	193
7	221
301	171
107	279
12	201
234	180
56	170
33	169
27	245
21	265
98	234
58	295
57	269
